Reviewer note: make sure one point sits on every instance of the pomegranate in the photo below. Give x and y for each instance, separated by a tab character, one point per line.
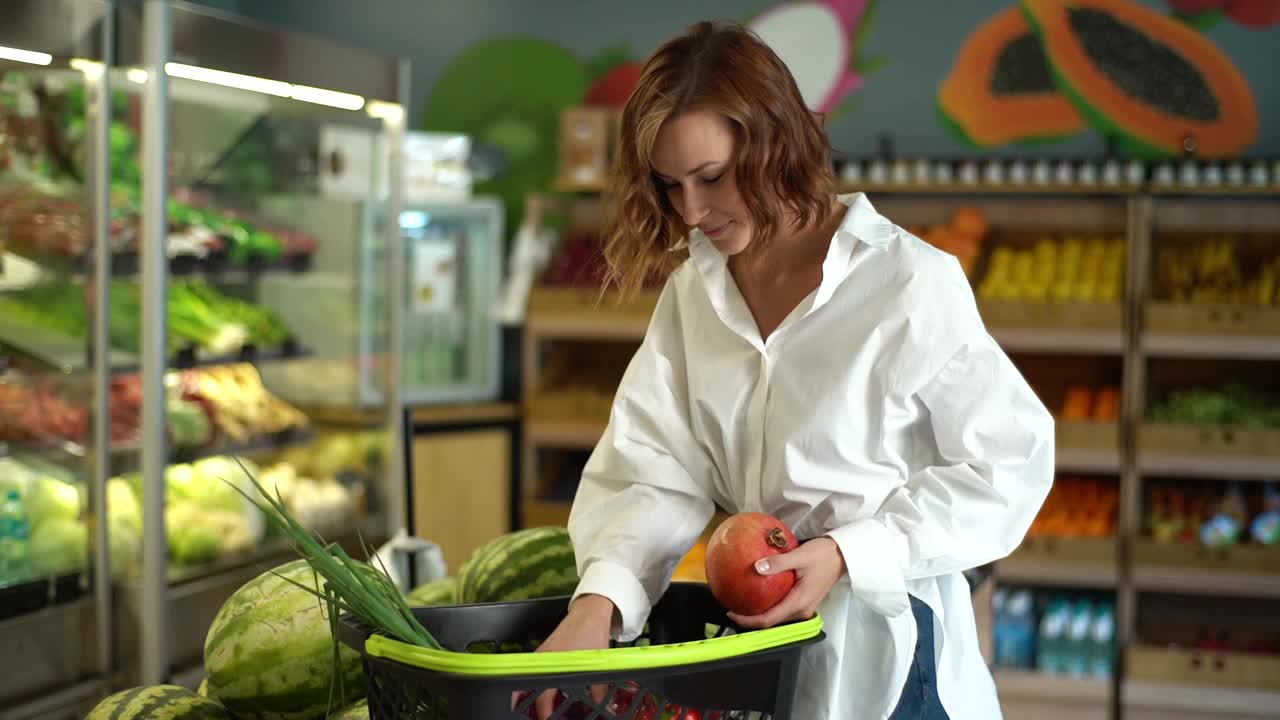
732	552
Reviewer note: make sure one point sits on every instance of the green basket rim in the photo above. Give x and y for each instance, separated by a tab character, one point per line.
580	661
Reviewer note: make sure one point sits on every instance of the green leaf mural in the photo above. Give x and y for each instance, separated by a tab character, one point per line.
509	92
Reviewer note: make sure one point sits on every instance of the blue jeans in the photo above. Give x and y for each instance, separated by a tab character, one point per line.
920	695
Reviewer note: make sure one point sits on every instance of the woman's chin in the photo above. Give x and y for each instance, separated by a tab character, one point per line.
731	244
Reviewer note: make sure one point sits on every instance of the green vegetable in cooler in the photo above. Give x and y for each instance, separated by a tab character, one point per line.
188	423
191	541
124	543
122	505
198	314
49	499
58	547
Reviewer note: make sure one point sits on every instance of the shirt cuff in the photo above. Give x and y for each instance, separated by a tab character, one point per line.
875	557
624	590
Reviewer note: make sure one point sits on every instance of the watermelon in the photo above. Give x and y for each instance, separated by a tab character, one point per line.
526	564
443	591
170	702
269	651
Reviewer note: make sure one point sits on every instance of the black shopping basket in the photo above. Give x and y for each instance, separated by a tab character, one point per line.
691	663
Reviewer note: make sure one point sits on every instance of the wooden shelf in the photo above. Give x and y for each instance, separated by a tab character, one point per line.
565	434
1214	192
1222	467
1213	702
1087	460
1190	581
1073	190
1046	686
844	186
1028	572
1196	345
1057	341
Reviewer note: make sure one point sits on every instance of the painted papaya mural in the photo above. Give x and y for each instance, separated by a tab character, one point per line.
508	92
1046	69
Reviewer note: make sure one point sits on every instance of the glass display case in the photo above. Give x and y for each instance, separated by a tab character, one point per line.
146	318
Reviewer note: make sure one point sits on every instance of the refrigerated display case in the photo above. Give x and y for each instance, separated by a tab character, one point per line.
451	270
157	246
55	600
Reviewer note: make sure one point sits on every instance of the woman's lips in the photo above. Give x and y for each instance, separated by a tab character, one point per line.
716	232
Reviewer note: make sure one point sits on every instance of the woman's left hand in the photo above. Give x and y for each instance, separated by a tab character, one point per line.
818	565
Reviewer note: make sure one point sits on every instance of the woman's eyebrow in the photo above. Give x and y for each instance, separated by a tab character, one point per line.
691	172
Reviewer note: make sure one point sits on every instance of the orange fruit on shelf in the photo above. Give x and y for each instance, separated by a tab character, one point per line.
969	222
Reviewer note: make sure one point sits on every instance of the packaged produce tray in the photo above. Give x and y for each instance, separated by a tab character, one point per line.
691	661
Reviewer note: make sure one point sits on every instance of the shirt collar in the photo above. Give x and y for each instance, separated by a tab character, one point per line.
861	223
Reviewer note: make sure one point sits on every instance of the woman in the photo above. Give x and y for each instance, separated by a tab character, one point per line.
809	359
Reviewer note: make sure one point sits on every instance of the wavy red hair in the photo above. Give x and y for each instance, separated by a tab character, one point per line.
783	160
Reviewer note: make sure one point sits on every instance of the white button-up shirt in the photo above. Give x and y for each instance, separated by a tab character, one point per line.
880	413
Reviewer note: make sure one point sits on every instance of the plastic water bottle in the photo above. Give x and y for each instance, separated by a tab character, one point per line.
15	539
1078	653
999	627
1050	655
1015	643
1102	641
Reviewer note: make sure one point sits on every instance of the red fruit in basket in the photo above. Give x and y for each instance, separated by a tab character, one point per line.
732	552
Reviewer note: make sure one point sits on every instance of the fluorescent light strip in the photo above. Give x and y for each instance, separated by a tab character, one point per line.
137	76
26	56
229	79
91	68
332	98
390	112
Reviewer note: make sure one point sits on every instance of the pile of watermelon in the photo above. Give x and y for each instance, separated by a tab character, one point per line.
269	652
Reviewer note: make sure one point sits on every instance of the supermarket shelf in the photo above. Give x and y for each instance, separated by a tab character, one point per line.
1045	686
1058	341
1219	191
565	434
126	458
1189	581
1190	345
188	581
60	703
193	358
215	269
1073	190
48	612
1037	572
1225	467
870	188
1085	460
56	350
131	456
1207	699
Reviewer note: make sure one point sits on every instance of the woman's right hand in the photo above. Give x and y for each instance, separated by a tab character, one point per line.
587	626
